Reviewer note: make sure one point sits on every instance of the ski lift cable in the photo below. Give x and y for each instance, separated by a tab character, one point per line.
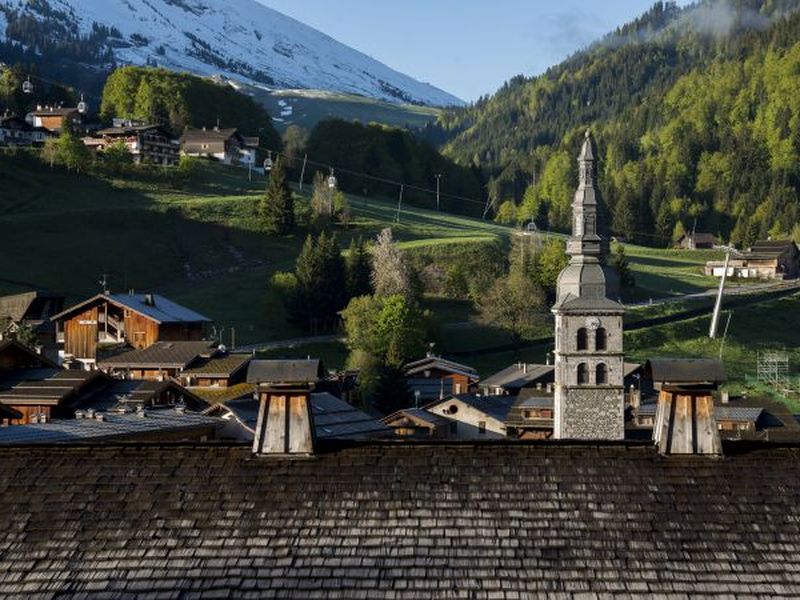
383	180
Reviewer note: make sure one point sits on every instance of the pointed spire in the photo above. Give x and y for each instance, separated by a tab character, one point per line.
587	152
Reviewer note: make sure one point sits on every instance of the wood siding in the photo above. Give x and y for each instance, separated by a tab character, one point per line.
140	332
80	334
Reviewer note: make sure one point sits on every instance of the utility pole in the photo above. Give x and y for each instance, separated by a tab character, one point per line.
438	179
303	171
399	203
712	333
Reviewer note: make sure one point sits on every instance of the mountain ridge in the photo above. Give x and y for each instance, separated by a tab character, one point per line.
245	40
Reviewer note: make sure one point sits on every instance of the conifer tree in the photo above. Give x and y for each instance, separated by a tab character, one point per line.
359	269
276	211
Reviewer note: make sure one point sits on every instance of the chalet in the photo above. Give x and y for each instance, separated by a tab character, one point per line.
531	417
473	416
159	361
41	399
769	259
434	378
16	131
512	379
148	144
16	358
225	145
418	423
221	370
125	396
54	119
33	310
697	241
138	320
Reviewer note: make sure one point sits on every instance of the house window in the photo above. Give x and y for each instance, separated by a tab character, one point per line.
583	374
601	374
452	409
528	414
481	426
600	339
204	146
453	427
582	339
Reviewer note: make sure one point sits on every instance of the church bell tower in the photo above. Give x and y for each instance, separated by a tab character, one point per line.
589	371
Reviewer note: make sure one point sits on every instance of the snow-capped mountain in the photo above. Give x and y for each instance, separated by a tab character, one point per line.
239	39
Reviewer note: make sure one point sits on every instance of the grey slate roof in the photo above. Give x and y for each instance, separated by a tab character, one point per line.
174	355
398	521
743	414
419	415
51	391
113	427
437	362
497	407
685	371
518	376
285	371
163	310
333	418
224	365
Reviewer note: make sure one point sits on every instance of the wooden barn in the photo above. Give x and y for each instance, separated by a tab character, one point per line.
697	241
138	320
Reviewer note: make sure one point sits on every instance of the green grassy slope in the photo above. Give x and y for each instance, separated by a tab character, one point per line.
306	108
199	245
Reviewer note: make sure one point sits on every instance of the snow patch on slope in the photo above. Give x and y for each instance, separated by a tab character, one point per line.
243	39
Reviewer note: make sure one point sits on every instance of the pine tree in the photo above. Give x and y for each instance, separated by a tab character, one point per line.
359	269
321	280
276	211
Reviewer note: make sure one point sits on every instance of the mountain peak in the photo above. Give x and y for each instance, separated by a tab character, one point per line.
242	40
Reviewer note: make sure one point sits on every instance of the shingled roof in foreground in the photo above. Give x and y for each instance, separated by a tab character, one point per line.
399	521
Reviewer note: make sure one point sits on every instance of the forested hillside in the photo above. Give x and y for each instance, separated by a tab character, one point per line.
697	116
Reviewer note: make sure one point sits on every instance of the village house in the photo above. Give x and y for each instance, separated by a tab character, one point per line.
148	144
418	423
697	241
32	310
434	378
473	416
225	145
531	417
54	118
220	370
138	320
159	361
16	131
768	259
40	399
516	377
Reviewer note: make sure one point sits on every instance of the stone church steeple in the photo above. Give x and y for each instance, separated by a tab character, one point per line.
589	371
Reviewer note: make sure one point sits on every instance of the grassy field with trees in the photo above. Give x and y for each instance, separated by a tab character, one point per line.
198	237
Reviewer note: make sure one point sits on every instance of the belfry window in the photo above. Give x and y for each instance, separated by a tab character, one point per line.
600	339
583	341
583	374
601	374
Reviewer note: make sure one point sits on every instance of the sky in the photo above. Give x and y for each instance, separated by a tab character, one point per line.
466	47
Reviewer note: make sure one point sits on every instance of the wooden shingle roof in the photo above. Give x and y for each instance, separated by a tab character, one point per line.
399	521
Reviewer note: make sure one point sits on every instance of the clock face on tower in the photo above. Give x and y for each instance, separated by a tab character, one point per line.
593	323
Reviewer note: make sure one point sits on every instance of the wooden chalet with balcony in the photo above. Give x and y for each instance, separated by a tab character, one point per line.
148	144
138	320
